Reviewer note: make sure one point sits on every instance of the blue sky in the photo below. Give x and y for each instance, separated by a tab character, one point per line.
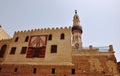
100	19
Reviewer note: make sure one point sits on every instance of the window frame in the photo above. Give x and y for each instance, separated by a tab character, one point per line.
23	50
50	37
35	70
53	48
16	70
53	71
0	69
13	50
26	38
16	39
72	71
2	51
62	36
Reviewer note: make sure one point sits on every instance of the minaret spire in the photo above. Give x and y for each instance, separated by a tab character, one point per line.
75	11
76	21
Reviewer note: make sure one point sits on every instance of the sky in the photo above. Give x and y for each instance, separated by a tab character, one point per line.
100	19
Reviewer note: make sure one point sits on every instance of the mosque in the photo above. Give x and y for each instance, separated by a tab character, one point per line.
54	52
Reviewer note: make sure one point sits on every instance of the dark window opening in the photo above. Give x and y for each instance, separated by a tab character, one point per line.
50	37
103	72
16	40
16	69
53	70
0	69
62	36
36	52
2	51
34	70
13	49
53	48
73	71
23	51
27	38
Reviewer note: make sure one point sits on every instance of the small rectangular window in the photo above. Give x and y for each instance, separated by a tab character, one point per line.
16	69
16	39
62	36
13	49
23	50
34	70
73	71
27	38
53	70
53	48
50	37
0	69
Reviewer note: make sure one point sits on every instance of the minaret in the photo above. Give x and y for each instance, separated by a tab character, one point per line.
76	32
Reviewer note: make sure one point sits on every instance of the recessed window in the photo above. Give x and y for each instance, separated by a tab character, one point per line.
23	50
2	51
16	39
53	48
36	52
34	70
16	69
73	71
53	70
13	49
50	37
27	38
0	69
62	36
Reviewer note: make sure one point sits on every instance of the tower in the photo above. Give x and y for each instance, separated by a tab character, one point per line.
76	32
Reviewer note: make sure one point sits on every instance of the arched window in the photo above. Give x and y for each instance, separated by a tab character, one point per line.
27	38
50	37
62	36
16	40
2	51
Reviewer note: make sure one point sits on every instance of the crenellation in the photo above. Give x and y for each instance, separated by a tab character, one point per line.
66	27
48	28
6	40
52	28
41	29
57	28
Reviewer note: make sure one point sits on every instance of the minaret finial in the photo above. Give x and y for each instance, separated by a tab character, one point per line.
76	21
75	11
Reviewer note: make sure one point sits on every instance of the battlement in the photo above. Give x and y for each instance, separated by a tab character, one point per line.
6	39
44	29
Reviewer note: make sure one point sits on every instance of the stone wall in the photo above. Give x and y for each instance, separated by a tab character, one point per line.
63	46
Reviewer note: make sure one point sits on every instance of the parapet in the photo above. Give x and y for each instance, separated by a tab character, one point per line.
6	39
95	49
44	29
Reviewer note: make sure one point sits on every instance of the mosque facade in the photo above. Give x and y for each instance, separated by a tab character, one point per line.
54	52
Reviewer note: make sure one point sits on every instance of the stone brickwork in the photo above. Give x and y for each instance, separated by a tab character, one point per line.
62	55
105	64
